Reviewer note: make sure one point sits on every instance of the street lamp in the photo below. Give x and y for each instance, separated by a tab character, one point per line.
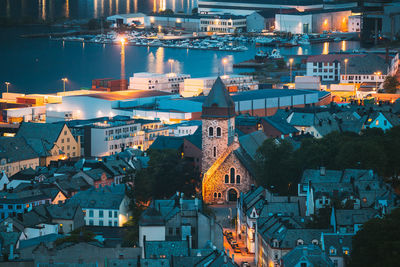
345	66
291	63
64	81
7	84
171	61
224	62
378	73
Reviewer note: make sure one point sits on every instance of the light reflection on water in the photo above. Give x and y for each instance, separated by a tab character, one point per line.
44	62
55	9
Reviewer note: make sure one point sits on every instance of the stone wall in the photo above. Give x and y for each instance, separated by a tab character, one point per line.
220	143
216	182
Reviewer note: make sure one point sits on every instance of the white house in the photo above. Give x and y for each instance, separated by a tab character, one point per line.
107	206
223	23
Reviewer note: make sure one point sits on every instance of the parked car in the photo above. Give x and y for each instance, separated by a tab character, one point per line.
227	233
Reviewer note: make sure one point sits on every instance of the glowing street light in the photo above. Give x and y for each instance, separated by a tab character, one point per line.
7	84
345	66
224	62
378	73
171	62
291	63
64	81
122	40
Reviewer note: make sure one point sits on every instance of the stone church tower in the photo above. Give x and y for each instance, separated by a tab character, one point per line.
223	169
218	124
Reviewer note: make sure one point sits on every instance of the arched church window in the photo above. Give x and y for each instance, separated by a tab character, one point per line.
215	195
232	175
238	179
219	195
218	131
226	178
211	131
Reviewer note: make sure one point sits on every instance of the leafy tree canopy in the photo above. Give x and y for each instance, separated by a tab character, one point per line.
377	243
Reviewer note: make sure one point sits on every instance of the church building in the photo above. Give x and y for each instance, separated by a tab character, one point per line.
226	164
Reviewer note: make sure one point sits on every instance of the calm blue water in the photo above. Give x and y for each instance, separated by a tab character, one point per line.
37	65
75	9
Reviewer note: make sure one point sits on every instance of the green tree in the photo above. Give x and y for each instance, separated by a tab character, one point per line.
377	243
167	172
390	84
275	167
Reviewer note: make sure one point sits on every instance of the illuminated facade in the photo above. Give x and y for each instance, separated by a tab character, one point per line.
225	175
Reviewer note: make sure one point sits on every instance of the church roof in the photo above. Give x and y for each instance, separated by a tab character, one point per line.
218	96
218	103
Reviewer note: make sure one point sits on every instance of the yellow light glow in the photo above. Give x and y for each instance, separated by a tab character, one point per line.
326	22
291	60
122	40
224	61
178	20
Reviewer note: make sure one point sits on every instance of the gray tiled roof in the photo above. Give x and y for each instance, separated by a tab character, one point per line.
251	142
37	240
109	197
41	136
337	241
351	217
286	231
280	124
157	249
167	142
218	96
311	254
15	149
367	64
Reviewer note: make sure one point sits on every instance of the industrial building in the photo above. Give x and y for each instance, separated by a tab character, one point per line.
315	21
256	103
102	104
168	82
244	8
233	82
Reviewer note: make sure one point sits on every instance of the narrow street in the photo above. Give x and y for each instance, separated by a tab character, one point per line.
224	214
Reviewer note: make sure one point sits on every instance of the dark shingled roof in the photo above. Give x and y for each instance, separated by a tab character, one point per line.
167	142
15	149
218	96
310	253
218	103
40	136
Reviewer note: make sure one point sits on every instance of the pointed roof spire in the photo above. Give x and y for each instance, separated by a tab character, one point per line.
218	102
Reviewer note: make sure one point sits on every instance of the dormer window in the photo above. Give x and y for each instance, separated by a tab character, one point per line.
315	242
300	242
346	251
332	251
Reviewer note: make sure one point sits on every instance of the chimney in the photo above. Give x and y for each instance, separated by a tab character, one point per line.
322	171
11	256
9	227
196	203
